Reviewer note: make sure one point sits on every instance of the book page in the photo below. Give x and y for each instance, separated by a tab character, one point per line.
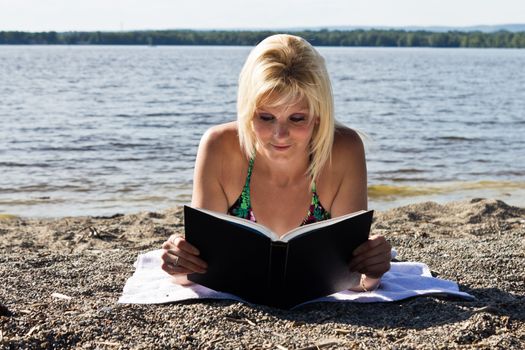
261	229
310	227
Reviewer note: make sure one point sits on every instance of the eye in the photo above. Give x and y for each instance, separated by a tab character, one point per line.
298	118
265	117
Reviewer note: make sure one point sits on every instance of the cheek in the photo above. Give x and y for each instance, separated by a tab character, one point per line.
261	131
303	133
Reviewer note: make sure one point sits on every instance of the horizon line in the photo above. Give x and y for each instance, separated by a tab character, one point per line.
294	28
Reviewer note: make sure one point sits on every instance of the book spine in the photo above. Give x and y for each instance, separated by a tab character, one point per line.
276	272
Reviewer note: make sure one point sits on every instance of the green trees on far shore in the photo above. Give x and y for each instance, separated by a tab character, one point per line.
386	38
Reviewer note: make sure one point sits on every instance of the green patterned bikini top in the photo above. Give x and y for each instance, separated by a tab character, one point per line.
242	207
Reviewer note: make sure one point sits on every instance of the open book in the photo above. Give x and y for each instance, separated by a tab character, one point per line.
247	259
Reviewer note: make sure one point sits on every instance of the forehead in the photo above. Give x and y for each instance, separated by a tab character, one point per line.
284	105
281	96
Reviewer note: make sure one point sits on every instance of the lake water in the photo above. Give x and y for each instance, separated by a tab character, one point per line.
100	130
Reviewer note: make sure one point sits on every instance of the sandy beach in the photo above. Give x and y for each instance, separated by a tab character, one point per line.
61	279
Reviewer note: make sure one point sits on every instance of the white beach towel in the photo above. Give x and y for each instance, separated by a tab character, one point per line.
151	285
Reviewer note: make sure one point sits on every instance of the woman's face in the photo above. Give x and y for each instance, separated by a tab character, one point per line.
284	132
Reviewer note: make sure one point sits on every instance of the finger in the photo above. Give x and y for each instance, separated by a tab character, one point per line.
373	241
175	261
171	242
169	257
181	243
361	260
173	236
384	248
177	246
170	264
377	270
365	260
383	251
167	245
176	265
378	259
191	266
182	258
175	270
188	257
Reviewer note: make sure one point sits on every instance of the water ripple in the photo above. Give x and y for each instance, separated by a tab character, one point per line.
113	129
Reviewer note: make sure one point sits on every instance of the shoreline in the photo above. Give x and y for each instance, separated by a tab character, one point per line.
381	197
478	243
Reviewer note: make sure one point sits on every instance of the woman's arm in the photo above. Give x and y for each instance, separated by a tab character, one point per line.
208	192
372	258
348	162
180	258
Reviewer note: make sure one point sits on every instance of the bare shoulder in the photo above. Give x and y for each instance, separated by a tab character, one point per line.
343	181
220	138
220	151
348	145
218	166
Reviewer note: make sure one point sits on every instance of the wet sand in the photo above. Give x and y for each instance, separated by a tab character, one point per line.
61	279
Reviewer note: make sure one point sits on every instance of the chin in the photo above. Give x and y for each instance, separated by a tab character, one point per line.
281	154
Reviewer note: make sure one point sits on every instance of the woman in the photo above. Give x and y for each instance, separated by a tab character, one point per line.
285	162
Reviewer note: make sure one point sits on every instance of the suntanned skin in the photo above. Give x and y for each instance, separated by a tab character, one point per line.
280	190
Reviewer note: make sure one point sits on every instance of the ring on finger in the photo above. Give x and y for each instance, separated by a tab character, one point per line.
175	262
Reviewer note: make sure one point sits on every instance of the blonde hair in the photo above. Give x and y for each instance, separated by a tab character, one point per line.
281	69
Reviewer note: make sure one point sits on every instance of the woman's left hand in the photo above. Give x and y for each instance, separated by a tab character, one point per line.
372	258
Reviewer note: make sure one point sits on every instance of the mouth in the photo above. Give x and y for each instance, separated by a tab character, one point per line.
281	147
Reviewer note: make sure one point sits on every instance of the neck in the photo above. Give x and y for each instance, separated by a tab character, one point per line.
282	173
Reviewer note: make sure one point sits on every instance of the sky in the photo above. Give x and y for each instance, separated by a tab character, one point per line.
115	15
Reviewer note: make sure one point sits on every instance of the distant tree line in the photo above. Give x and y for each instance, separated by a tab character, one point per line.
386	38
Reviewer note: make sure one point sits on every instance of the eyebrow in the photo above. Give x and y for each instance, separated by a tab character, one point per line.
302	111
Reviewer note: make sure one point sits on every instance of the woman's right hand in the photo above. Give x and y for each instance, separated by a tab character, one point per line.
180	258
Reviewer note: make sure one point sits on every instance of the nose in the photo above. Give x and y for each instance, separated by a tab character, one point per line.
281	130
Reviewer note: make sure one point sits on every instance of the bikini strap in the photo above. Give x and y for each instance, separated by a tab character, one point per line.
315	197
245	195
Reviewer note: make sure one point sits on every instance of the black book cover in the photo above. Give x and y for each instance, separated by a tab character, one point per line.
246	262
